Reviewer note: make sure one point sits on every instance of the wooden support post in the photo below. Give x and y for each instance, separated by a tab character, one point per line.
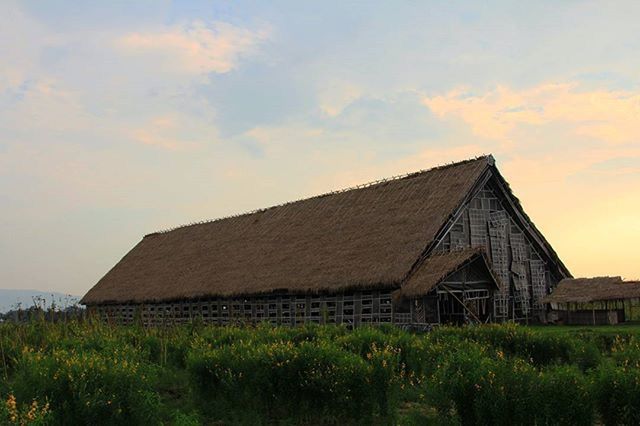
463	305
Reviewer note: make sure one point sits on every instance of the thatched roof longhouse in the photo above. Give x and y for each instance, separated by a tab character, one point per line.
369	237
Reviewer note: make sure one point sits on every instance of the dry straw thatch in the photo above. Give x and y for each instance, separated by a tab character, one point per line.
585	290
438	267
363	238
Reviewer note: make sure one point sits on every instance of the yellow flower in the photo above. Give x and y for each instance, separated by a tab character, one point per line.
11	402
32	411
12	408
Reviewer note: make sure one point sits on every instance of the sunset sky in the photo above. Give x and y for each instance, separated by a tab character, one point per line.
120	118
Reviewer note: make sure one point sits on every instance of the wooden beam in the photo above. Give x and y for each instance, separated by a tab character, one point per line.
463	305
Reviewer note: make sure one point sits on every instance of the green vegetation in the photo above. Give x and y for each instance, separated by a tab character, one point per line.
92	373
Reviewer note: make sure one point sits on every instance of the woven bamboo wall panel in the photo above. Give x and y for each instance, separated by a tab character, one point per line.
523	275
372	307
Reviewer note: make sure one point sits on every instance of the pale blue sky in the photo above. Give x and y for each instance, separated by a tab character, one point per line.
120	118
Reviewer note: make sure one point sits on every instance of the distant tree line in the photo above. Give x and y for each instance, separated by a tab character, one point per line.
44	311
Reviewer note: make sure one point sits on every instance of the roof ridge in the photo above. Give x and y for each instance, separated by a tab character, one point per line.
598	277
489	158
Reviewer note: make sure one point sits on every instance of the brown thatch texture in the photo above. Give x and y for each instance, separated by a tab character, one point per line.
438	267
360	238
585	290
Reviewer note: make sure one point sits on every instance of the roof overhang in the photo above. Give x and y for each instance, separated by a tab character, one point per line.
438	267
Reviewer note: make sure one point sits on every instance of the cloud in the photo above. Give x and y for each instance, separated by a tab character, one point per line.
609	116
195	48
44	112
335	96
175	131
19	53
154	135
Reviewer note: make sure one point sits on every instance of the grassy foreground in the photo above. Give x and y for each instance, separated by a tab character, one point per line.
91	373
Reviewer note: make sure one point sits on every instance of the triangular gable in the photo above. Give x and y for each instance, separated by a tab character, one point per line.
492	176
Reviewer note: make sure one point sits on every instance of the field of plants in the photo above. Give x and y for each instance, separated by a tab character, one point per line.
92	373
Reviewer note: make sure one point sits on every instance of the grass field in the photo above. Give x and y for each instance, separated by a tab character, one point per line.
91	373
624	328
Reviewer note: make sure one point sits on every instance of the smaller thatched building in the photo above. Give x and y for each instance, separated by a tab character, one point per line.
595	301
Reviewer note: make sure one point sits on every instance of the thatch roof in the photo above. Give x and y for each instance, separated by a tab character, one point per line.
371	236
437	268
585	290
359	238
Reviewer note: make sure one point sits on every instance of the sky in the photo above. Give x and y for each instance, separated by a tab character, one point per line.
122	118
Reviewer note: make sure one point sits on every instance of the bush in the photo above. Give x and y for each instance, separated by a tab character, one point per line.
496	374
410	348
617	394
565	397
602	337
539	348
281	380
485	387
9	354
87	388
485	390
182	419
626	352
